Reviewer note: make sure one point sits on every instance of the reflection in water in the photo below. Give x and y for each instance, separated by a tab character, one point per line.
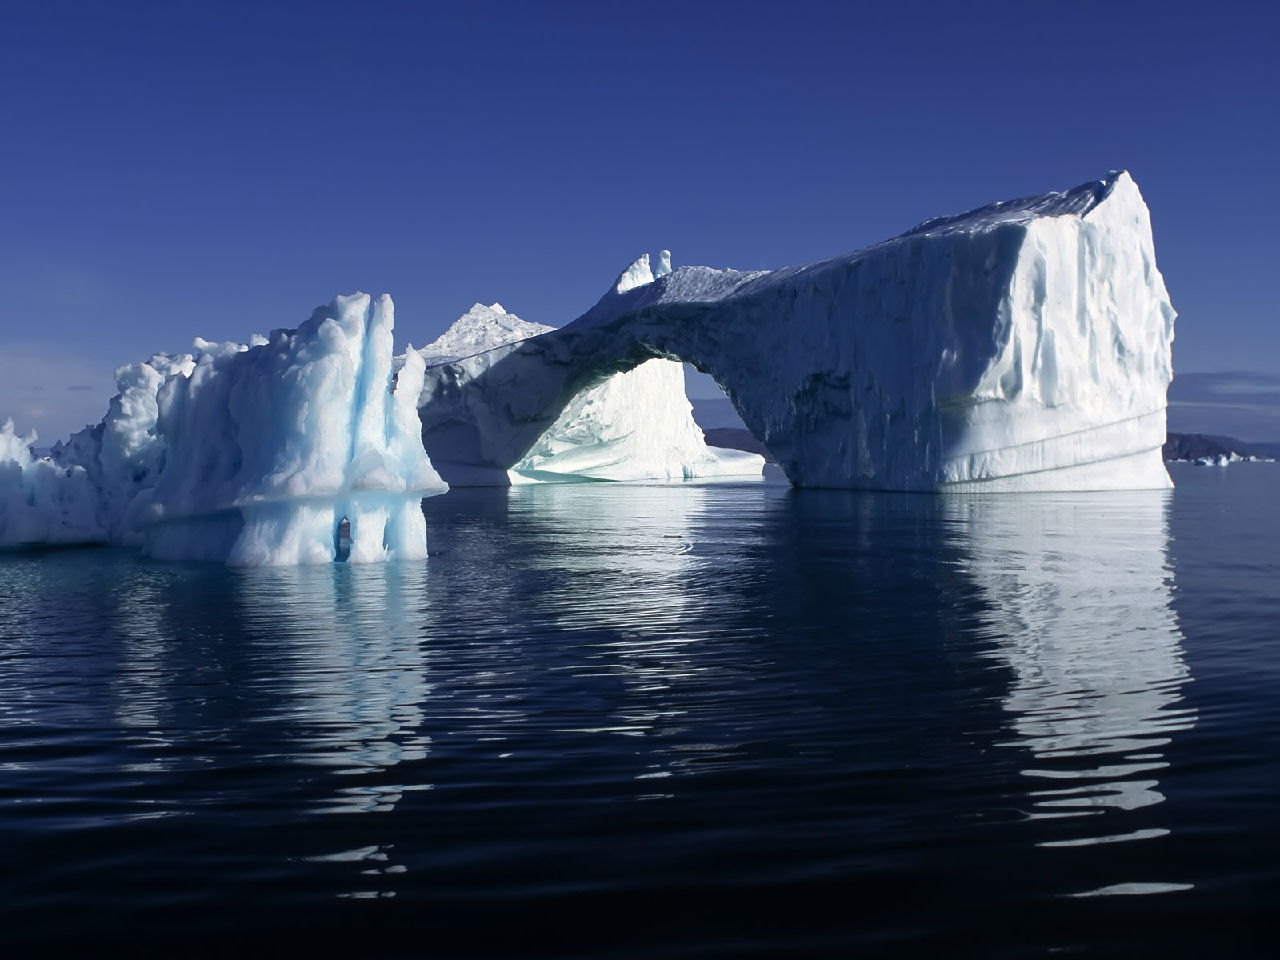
1080	610
632	574
351	668
645	694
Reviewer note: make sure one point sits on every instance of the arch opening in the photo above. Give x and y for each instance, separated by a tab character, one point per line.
591	404
637	425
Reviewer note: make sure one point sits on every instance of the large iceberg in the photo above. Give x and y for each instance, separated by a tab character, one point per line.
296	448
1021	346
636	425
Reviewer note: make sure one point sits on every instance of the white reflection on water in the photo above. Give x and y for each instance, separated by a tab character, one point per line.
1079	609
350	666
642	553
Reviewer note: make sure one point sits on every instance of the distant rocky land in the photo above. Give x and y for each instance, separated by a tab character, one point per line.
1210	448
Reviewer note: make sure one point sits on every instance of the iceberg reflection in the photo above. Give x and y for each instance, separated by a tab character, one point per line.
629	581
1078	593
351	669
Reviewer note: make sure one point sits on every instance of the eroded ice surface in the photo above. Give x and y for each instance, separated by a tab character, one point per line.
636	425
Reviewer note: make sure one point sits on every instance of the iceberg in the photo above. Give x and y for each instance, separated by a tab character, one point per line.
630	426
303	447
1021	346
273	450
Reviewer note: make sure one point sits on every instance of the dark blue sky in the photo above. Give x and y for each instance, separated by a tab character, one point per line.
215	169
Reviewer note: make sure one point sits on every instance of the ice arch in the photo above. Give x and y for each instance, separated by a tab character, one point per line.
1023	345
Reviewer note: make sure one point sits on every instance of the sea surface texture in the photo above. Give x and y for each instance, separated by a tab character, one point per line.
668	721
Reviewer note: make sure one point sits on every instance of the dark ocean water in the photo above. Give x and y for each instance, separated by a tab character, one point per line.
671	721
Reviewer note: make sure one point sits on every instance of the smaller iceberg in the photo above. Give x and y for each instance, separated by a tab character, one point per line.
298	448
270	448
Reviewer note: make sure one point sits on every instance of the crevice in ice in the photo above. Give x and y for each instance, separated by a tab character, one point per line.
342	540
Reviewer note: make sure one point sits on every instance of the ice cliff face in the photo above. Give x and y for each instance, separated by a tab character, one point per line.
252	454
1021	346
635	425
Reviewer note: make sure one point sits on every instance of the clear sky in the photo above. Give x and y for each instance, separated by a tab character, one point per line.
216	169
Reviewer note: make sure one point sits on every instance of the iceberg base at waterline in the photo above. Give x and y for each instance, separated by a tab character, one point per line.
364	529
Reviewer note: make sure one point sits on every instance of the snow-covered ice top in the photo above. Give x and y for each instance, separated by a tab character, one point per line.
1076	202
480	328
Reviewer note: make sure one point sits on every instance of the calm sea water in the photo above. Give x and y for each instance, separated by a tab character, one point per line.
665	721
